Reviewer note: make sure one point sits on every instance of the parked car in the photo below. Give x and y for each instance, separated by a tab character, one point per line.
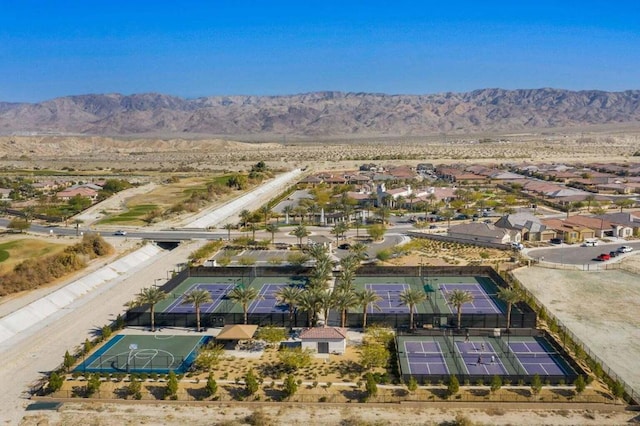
589	244
345	246
614	253
625	249
555	241
602	257
120	232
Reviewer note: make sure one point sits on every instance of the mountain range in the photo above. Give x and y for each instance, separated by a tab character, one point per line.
322	114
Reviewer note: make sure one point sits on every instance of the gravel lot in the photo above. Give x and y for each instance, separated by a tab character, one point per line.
600	308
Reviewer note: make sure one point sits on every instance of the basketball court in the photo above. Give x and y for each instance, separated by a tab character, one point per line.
156	353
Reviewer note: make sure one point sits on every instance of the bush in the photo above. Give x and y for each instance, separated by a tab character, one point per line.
580	385
171	391
370	385
55	382
251	383
496	383
454	385
536	384
290	385
93	384
412	384
134	388
211	386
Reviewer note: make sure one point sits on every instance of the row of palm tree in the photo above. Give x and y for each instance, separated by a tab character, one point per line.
316	298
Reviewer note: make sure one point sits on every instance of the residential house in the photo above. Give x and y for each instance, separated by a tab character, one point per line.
324	340
69	193
601	226
530	226
569	233
629	222
477	232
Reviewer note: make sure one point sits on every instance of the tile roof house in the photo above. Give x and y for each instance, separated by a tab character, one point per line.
477	232
530	226
569	233
324	340
67	194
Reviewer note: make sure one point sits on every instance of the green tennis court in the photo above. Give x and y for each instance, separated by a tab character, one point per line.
144	354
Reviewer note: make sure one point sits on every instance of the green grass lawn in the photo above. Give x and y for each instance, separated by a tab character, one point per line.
132	216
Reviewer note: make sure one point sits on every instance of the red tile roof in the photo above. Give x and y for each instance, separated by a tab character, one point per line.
324	333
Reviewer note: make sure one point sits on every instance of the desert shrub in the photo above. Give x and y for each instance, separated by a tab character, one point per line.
454	385
212	386
171	391
55	382
290	385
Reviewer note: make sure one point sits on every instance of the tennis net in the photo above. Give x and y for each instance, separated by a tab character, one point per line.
414	355
535	354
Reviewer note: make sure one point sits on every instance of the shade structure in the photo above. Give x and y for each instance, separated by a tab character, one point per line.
237	332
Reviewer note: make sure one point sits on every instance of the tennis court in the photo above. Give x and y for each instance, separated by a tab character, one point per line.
481	358
536	358
425	358
267	302
144	354
435	355
217	292
218	288
390	295
482	303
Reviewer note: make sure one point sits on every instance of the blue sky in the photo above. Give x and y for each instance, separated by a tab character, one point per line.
54	48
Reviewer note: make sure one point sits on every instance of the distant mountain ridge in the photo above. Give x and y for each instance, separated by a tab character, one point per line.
322	114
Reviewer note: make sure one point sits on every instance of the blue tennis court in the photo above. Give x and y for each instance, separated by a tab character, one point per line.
267	301
481	358
425	357
217	292
536	358
482	302
390	295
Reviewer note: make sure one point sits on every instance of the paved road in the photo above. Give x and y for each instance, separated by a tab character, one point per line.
574	254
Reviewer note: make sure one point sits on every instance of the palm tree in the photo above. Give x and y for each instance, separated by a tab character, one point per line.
229	227
197	298
266	212
510	296
300	231
448	214
325	302
366	298
272	228
289	296
411	197
245	215
244	296
287	210
411	297
308	302
458	298
339	229
318	251
359	250
344	299
589	199
149	296
345	279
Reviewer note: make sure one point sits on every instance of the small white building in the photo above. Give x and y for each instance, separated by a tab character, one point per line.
324	340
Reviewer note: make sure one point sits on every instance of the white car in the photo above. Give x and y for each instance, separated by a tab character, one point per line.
625	249
123	233
589	244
